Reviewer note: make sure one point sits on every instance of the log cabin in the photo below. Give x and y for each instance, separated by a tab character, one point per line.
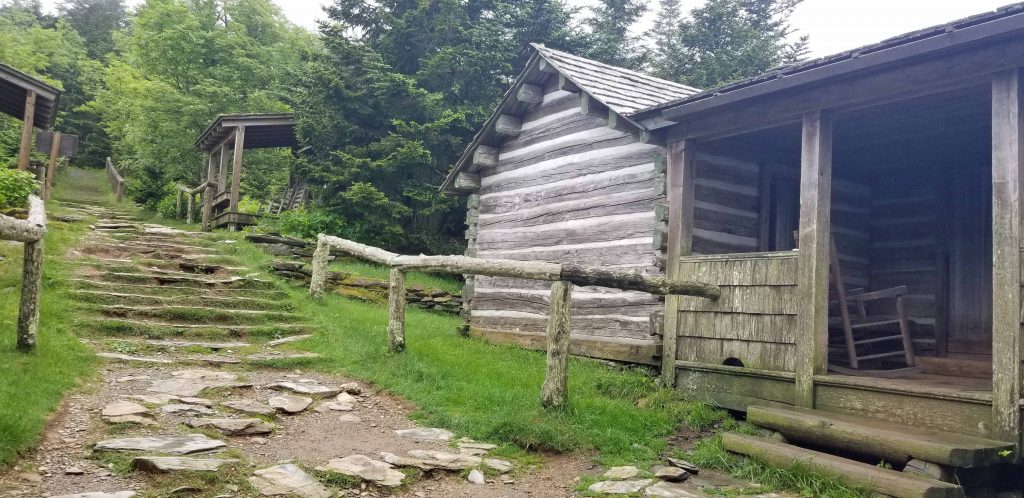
861	214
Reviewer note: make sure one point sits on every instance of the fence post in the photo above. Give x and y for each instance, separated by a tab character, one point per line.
396	311
177	205
319	276
191	206
553	392
28	313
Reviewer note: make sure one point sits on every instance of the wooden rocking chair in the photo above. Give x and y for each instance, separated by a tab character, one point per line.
857	327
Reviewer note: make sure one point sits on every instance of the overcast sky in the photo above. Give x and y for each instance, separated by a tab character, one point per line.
834	25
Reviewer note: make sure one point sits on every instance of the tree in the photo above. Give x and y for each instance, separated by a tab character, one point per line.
96	21
610	38
391	101
725	40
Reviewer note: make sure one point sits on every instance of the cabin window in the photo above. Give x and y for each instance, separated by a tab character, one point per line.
780	209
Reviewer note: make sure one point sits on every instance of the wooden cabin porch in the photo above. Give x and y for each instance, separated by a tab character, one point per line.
907	156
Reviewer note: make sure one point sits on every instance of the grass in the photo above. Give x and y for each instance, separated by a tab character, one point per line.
32	384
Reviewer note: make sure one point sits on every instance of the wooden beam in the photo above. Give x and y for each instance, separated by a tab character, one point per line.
508	125
396	311
812	275
51	168
565	84
467	182
681	184
210	191
25	151
485	156
530	94
222	173
545	67
592	107
236	168
1007	159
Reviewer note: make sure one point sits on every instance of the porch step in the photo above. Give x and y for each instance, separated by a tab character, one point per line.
877	479
876	438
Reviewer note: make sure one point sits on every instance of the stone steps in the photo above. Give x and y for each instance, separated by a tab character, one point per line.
210	301
177	291
159	329
184	280
199	314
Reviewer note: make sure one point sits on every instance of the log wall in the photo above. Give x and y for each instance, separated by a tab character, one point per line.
567	189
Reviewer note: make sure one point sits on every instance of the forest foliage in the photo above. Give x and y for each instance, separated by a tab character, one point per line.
386	93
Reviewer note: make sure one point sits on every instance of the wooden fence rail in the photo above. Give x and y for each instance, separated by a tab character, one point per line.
564	276
31	232
190	195
116	180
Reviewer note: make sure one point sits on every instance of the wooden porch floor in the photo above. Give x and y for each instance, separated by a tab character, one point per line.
947	385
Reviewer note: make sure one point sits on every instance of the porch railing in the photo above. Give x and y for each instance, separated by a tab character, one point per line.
564	276
116	181
31	232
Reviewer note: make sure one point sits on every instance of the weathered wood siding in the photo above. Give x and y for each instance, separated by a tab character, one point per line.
567	189
755	319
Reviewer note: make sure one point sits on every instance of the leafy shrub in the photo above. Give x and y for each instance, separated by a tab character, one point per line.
168	204
15	187
305	224
248	205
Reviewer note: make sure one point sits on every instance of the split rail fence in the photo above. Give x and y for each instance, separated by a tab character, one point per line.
31	232
116	180
563	276
205	191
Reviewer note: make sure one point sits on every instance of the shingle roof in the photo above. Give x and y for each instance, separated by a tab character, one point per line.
622	90
14	87
778	74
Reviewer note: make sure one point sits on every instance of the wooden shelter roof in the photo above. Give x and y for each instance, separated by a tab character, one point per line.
621	90
14	87
262	131
975	30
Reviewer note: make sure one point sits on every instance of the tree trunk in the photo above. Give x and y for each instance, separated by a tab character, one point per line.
553	392
396	311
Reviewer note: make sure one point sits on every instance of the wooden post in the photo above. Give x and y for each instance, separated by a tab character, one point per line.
681	178
26	130
222	173
396	311
191	206
553	392
31	282
318	278
177	204
1007	130
52	167
209	192
812	275
236	168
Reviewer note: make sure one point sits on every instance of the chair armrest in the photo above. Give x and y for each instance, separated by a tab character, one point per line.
879	294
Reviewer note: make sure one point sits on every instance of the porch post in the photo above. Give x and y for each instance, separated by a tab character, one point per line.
25	151
1006	253
812	275
236	167
222	173
209	192
681	162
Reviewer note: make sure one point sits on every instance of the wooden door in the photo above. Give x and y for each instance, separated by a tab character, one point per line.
970	262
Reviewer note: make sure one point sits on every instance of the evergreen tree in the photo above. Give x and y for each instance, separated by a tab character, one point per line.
726	40
610	38
96	21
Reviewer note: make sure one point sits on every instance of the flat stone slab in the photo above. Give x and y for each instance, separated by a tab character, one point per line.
306	388
171	445
286	340
281	356
433	459
432	434
155	399
287	479
206	375
619	487
131	419
170	464
190	387
119	408
200	344
365	468
626	472
289	403
99	494
502	466
250	406
343	402
671	474
669	490
213	359
186	409
234	426
130	358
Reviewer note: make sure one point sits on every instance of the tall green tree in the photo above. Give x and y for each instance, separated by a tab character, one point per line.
181	63
610	39
96	21
391	101
724	40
